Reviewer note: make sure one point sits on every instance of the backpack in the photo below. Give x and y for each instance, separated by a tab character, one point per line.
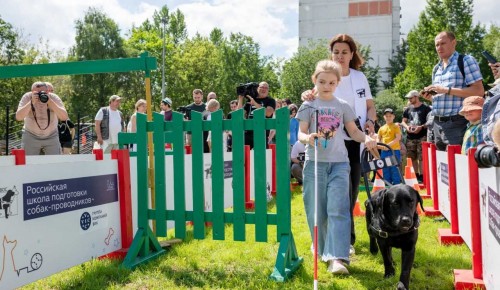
490	114
460	63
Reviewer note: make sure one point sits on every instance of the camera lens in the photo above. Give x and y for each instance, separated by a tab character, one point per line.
43	97
487	156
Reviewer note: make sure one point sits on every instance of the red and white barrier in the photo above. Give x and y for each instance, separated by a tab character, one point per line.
472	205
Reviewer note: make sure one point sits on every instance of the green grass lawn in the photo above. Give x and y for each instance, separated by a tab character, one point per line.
208	264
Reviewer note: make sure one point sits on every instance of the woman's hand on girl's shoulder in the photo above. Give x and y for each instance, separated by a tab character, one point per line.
308	95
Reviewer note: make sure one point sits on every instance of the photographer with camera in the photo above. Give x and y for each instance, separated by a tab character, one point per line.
253	96
41	111
454	78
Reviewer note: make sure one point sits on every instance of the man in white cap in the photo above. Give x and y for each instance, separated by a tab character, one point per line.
108	123
414	119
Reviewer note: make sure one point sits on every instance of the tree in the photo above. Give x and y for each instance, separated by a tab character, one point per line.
388	99
439	15
240	63
397	64
97	37
491	43
297	71
11	53
372	73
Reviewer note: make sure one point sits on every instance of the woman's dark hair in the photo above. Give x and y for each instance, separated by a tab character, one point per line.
356	61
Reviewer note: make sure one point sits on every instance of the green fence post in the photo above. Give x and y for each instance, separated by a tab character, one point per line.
218	175
260	176
287	260
160	186
237	125
179	176
198	176
145	245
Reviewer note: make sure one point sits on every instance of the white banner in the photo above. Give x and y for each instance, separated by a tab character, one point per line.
55	216
443	183
489	200
463	198
207	180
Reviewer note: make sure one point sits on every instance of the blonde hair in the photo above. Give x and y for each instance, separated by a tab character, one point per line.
327	66
139	103
213	104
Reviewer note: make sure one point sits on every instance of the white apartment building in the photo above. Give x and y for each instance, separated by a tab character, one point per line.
369	22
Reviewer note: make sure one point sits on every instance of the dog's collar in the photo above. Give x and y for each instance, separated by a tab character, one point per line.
385	235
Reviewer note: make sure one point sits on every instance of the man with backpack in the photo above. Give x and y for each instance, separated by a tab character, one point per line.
454	78
108	123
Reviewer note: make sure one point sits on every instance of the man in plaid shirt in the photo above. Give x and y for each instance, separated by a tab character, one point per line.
448	90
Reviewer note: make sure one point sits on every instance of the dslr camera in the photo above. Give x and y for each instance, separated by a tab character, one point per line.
487	156
249	89
43	96
186	111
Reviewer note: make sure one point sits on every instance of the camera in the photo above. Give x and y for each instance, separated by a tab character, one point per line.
431	92
249	89
487	156
43	96
186	111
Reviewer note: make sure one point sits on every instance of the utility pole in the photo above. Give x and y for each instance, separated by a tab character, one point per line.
164	21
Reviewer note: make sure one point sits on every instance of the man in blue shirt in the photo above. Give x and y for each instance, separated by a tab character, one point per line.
449	88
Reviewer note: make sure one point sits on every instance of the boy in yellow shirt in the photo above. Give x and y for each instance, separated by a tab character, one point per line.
390	134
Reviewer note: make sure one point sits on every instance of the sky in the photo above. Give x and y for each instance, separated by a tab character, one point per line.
273	24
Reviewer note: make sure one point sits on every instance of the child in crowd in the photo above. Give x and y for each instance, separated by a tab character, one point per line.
390	134
472	109
333	204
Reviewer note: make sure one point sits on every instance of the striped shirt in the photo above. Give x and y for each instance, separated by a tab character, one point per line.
449	105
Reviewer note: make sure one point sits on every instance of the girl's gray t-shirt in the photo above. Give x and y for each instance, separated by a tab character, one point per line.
332	115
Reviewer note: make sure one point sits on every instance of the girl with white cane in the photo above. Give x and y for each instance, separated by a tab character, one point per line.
328	168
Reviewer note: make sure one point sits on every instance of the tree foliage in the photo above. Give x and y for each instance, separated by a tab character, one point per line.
372	73
388	99
491	43
397	64
297	71
439	15
97	37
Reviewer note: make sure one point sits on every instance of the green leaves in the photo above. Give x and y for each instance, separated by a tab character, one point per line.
439	15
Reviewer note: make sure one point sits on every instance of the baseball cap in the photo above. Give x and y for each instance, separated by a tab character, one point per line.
412	94
388	110
114	98
167	101
471	104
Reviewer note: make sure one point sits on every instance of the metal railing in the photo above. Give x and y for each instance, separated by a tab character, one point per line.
83	142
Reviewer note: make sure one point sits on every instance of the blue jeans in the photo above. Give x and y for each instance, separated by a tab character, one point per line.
334	219
392	174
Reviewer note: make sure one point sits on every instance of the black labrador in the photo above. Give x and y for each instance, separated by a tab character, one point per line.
392	221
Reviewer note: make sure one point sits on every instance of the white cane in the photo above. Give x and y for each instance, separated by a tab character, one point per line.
316	207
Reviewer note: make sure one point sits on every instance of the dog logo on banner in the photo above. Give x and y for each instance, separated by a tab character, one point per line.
8	202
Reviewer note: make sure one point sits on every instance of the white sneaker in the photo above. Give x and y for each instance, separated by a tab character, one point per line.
337	267
352	251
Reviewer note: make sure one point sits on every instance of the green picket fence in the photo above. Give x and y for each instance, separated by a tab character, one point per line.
145	245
